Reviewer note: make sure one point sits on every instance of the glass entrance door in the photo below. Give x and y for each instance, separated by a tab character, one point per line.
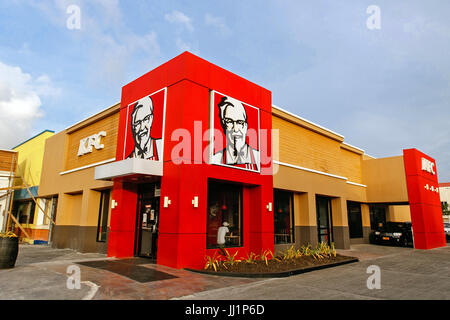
148	220
324	220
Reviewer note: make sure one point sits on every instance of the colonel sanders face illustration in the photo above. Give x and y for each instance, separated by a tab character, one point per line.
141	123
233	120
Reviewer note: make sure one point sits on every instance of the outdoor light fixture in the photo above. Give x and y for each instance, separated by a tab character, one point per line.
166	202
195	202
113	204
269	207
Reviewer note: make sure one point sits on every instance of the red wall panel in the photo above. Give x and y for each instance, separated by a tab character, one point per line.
123	220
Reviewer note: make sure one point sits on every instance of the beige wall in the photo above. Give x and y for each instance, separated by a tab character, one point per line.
385	179
306	186
78	191
365	215
302	144
350	165
69	209
398	213
303	181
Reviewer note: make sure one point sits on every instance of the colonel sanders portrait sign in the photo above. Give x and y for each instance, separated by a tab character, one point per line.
144	136
235	137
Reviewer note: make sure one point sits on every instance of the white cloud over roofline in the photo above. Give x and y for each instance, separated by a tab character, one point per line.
20	103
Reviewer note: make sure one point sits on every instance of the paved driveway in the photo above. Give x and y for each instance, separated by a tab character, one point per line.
41	273
405	274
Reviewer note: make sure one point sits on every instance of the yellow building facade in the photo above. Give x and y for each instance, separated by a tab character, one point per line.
31	211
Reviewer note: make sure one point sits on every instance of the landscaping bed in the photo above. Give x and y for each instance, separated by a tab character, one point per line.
292	261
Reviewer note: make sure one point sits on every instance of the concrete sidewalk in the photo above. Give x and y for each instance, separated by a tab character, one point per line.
42	272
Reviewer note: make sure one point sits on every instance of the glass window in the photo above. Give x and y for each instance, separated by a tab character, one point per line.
103	216
283	217
354	219
224	221
25	212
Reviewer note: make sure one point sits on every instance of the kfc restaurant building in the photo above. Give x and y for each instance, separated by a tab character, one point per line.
194	158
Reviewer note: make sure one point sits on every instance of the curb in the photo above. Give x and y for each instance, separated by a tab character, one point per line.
282	274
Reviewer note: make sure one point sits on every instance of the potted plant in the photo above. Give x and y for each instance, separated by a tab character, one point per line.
9	248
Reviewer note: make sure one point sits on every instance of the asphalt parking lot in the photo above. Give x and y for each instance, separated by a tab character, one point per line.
42	273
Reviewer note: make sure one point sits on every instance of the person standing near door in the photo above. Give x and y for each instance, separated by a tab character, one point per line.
221	232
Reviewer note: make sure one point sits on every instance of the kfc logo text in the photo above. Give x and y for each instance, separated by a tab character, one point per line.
86	144
428	166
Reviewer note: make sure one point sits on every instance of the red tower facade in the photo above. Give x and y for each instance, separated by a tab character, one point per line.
188	84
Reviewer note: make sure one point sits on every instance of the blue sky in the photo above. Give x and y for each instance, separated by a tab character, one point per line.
385	89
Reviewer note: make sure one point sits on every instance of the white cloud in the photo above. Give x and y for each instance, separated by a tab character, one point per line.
20	103
218	23
179	18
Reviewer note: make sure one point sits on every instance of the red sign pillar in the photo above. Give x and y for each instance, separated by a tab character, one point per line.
424	201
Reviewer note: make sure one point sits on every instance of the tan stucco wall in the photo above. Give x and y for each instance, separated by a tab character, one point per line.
385	179
307	185
303	181
302	144
78	191
398	213
350	165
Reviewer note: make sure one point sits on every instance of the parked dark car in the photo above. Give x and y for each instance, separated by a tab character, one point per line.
393	233
447	230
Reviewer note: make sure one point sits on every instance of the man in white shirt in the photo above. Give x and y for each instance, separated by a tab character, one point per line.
221	232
